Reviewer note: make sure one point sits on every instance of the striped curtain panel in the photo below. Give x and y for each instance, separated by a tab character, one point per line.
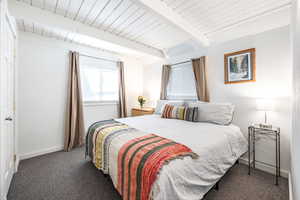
199	68
164	81
74	133
122	94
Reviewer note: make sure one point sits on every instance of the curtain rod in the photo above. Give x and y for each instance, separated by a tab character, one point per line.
179	63
98	58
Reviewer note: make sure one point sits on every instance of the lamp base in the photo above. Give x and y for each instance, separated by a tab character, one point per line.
264	125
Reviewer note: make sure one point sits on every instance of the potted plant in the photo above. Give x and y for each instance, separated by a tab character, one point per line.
142	101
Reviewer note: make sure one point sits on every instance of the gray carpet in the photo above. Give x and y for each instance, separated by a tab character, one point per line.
68	176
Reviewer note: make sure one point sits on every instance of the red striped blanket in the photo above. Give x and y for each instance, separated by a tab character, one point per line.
139	162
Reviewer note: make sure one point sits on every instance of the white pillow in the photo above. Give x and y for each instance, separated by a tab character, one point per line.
160	105
194	103
218	113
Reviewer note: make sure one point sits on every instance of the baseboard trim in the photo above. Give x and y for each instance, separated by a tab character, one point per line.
290	187
266	168
40	152
17	163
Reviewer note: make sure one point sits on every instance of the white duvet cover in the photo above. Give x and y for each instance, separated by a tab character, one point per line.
218	148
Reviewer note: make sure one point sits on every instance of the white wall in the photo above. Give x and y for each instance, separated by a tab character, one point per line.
274	80
43	76
133	74
295	139
274	75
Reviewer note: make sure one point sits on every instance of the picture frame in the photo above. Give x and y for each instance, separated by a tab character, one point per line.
240	66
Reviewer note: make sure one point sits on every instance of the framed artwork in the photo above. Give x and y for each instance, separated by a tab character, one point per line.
239	66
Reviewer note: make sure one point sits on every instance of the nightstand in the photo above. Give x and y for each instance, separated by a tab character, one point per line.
273	133
141	111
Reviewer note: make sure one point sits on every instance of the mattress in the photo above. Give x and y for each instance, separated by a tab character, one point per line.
218	148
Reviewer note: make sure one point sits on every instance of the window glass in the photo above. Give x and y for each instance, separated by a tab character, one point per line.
99	80
182	82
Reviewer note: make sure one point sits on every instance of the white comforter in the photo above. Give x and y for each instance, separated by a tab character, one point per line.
218	148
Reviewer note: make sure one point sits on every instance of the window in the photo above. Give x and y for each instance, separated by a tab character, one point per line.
182	82
99	80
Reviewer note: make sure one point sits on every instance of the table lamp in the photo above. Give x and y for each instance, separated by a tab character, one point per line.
265	105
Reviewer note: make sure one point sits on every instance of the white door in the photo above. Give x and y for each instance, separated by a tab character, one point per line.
7	105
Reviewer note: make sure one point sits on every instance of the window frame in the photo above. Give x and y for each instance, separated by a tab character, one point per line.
181	97
99	102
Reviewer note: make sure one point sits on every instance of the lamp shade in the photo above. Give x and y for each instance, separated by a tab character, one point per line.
264	104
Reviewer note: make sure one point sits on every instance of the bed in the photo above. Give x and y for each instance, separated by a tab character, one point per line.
218	148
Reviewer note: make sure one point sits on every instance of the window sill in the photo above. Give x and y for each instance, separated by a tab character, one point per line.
182	97
99	103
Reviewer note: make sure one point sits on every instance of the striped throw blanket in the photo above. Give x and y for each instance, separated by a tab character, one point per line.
140	160
99	138
140	156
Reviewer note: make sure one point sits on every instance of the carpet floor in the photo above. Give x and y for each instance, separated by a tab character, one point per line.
68	176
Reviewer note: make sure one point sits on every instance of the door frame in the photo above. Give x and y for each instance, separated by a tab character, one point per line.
15	36
5	18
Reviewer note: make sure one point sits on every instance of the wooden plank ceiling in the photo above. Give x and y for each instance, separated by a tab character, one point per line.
211	16
128	19
120	17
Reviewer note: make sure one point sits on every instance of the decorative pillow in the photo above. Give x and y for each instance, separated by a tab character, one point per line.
180	112
161	104
218	113
191	114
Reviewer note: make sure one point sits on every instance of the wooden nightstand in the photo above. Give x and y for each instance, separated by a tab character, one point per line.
141	111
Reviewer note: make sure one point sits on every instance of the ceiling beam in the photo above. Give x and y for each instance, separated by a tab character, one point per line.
168	13
113	42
